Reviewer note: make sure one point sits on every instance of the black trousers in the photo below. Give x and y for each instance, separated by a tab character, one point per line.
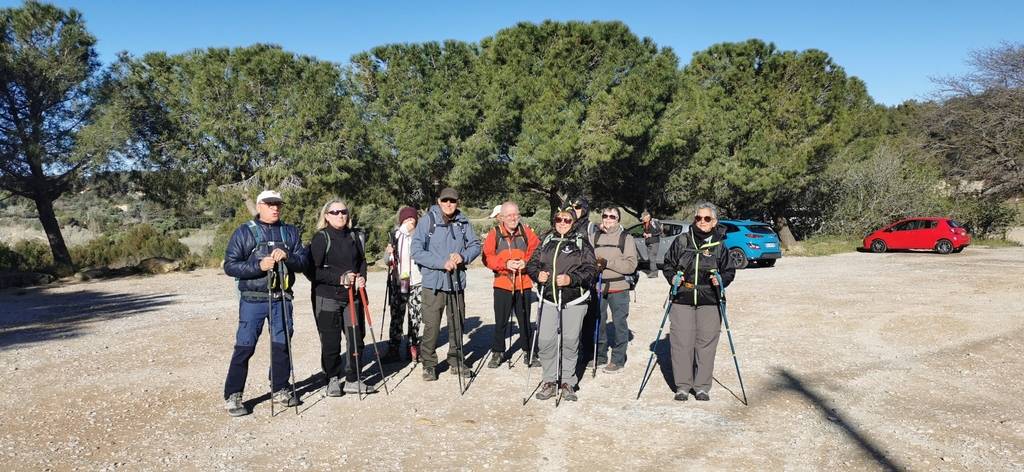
332	317
505	303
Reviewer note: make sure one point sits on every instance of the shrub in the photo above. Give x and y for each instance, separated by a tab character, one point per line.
9	259
137	243
35	256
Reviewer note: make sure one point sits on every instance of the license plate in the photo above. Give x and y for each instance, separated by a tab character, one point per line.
769	244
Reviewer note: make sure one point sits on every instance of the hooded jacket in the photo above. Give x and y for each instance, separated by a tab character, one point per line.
431	252
243	254
571	255
696	259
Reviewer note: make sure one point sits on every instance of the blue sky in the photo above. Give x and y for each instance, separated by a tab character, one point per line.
894	46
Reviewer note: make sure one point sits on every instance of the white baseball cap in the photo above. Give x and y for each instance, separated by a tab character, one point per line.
269	196
495	212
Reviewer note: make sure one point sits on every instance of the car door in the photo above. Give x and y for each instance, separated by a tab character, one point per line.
899	237
924	235
669	233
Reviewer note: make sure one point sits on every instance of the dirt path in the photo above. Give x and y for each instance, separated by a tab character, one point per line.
855	361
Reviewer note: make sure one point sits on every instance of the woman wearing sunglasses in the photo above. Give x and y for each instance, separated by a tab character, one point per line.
337	255
691	264
564	268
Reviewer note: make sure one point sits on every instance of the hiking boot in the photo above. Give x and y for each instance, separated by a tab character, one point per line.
392	355
234	405
359	387
602	360
428	374
462	368
285	397
652	275
535	362
681	396
333	387
701	396
612	368
496	360
568	393
547	391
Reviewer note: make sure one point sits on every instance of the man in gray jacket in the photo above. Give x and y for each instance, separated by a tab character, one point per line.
443	245
616	259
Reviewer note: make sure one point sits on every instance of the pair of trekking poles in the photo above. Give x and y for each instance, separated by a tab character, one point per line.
354	322
728	332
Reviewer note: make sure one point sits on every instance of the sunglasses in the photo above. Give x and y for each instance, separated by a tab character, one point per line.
577	206
559	219
707	219
338	212
449	200
273	204
610	217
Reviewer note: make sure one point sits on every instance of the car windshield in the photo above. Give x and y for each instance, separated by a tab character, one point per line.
761	229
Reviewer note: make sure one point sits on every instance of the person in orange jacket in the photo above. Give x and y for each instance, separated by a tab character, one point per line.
506	249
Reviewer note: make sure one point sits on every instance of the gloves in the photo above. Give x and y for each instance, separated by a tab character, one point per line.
601	264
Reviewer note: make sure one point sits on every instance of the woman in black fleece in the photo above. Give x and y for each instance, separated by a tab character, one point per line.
340	263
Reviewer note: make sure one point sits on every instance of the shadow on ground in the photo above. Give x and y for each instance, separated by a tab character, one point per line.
38	316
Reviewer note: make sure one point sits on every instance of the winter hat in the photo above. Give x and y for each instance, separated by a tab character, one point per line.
407	212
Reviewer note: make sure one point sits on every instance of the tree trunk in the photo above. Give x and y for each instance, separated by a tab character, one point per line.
61	257
785	235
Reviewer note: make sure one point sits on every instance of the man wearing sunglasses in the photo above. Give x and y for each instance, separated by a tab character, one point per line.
443	244
691	264
616	258
253	253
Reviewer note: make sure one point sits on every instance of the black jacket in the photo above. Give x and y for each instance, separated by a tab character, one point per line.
242	257
654	231
696	259
345	255
571	255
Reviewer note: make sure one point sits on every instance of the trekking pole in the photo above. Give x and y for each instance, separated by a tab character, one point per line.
508	319
387	301
270	331
559	324
456	335
354	344
728	333
285	316
533	343
373	337
597	321
668	307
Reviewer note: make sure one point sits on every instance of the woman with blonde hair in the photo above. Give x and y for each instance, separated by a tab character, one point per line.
337	255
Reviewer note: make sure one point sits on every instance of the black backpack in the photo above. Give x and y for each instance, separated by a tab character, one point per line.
357	236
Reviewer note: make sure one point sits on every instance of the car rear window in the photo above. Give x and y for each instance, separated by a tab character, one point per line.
761	229
955	224
730	228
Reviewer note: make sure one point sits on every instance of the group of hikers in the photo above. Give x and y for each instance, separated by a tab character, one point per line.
578	271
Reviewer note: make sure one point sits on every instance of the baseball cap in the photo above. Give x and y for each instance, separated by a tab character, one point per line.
449	192
495	212
269	196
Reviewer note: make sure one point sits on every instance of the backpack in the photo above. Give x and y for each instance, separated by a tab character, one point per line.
357	236
522	235
257	235
631	278
433	226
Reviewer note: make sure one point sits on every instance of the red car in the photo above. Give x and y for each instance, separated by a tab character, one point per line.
941	234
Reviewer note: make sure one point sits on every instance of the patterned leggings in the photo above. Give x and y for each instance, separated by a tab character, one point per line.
401	303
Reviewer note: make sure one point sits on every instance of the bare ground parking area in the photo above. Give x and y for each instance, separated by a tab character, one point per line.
852	362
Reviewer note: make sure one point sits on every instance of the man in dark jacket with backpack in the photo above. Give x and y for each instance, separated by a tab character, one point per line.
617	262
254	256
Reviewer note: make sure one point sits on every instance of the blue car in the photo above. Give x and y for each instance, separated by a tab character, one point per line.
751	241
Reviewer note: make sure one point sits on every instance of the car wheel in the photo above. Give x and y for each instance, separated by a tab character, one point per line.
878	246
943	246
768	262
738	258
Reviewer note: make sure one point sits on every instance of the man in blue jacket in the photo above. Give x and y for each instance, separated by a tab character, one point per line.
443	245
252	256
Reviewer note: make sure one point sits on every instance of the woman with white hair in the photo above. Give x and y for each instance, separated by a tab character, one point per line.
691	265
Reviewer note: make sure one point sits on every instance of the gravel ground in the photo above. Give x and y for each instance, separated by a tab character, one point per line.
855	361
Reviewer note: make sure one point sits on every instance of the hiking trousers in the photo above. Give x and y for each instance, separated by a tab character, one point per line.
435	302
693	337
251	316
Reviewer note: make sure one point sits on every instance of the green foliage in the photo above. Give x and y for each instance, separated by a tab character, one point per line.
128	248
9	260
33	256
986	217
760	124
824	245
